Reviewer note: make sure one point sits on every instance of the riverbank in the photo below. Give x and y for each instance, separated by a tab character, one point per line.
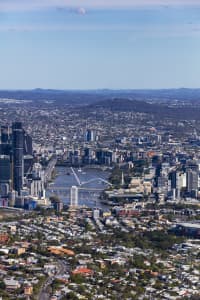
68	165
91	187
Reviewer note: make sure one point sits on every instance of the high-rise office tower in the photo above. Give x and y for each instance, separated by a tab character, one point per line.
192	180
5	170
173	177
5	145
37	182
90	135
74	196
28	145
18	156
104	156
5	134
5	179
28	153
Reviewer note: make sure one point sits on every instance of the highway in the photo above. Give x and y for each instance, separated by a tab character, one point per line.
49	168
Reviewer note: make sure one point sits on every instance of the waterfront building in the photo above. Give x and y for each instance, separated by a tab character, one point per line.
58	206
96	213
37	181
74	196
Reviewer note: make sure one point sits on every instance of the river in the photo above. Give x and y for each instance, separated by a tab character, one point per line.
65	179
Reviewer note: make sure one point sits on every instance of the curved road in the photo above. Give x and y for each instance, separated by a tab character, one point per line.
62	269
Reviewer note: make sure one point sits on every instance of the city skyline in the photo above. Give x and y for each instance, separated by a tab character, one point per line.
99	44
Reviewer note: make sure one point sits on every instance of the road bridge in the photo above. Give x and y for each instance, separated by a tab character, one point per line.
49	168
84	193
12	208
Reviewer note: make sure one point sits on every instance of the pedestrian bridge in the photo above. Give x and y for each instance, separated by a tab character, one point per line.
63	188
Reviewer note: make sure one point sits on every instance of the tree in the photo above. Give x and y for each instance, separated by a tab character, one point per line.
2	285
70	296
54	199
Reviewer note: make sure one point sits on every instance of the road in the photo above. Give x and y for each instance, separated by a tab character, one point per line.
62	269
43	294
49	168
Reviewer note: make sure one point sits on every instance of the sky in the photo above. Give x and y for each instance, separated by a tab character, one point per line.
99	44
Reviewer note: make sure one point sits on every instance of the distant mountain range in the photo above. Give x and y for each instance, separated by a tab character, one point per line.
79	97
172	103
184	112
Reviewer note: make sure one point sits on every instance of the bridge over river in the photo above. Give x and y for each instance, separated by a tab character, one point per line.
90	184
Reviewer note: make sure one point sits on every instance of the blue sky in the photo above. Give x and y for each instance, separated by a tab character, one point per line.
91	44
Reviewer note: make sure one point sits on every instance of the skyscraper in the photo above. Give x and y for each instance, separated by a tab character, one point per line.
18	153
5	134
74	196
5	145
5	171
28	146
90	135
192	180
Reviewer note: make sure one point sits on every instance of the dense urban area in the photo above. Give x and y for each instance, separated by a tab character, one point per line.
141	239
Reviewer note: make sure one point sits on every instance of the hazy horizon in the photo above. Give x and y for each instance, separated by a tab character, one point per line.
76	45
99	89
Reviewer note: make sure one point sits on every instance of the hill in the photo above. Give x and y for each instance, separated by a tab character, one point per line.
184	112
79	97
